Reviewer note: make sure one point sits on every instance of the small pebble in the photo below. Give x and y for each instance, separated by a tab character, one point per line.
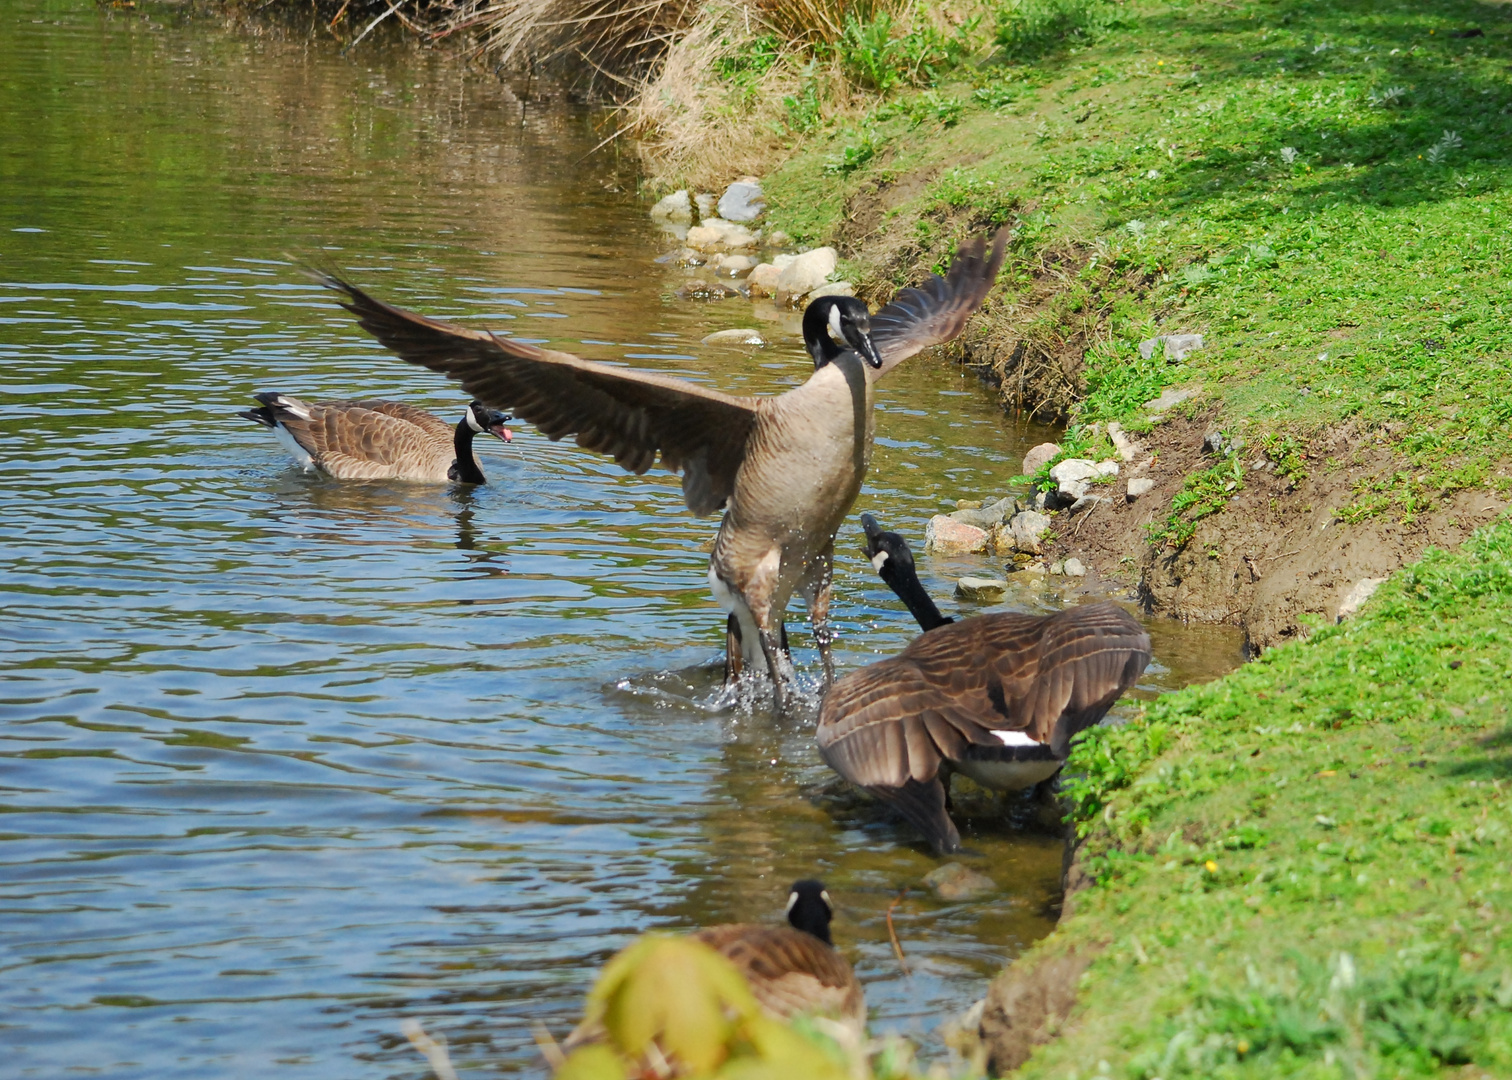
1074	568
956	881
987	590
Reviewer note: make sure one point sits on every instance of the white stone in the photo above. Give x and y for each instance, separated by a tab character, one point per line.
763	280
778	238
782	262
717	235
987	590
1169	400
706	203
734	337
734	265
1127	448
1178	345
806	273
1108	467
673	207
946	536
1073	567
742	201
1035	459
1360	592
834	288
1138	486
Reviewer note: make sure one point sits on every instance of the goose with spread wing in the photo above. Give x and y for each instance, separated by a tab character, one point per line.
998	697
785	469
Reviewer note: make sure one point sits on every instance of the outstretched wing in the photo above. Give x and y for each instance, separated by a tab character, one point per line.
937	311
629	415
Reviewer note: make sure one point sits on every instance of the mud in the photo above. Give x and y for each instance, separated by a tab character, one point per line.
1027	1005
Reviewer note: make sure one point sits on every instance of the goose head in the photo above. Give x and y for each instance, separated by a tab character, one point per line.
809	909
482	419
832	320
889	553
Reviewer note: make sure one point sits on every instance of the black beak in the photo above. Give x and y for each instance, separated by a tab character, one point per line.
873	536
865	347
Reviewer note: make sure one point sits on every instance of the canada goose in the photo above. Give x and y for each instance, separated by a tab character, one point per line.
786	469
379	440
791	969
998	697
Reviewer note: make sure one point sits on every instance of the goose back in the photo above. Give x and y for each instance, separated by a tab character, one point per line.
363	440
790	971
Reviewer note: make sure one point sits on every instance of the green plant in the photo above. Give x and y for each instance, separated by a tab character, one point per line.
874	55
1202	494
1288	454
802	109
855	154
1027	29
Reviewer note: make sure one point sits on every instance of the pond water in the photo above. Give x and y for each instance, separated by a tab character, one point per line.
285	760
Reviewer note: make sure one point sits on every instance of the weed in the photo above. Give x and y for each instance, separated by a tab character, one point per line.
874	55
1027	29
1288	455
1202	494
803	109
855	154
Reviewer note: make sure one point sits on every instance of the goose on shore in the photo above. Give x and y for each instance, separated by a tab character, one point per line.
379	440
792	970
998	697
785	469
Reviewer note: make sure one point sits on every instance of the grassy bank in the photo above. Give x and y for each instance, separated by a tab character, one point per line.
1301	869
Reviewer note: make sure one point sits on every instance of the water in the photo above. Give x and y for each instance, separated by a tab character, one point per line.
285	760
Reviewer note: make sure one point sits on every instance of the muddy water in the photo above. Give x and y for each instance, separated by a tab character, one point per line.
285	761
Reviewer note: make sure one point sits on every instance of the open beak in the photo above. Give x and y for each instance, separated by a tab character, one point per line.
501	431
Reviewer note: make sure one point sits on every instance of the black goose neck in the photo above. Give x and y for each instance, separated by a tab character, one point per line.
904	581
816	335
465	469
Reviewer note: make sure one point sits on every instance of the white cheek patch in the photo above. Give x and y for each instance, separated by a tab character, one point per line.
878	559
1015	738
792	899
834	322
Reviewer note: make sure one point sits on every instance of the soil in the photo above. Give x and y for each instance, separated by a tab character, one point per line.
1026	1006
1277	553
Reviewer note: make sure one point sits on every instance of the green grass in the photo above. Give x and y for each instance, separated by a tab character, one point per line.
1319	188
1302	869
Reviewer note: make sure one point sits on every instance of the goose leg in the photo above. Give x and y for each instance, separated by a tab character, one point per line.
734	659
817	585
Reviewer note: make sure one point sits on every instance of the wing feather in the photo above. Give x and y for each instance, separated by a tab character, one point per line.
632	416
936	311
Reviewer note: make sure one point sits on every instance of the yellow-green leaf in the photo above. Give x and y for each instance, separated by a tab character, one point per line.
592	1063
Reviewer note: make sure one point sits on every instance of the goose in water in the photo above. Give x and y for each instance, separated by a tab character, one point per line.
785	469
792	970
379	440
998	697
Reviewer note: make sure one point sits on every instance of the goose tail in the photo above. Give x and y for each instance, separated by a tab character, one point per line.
263	416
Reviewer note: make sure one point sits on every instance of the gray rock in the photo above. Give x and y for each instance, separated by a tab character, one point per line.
735	265
1169	399
1074	475
1086	502
742	201
734	337
1035	459
763	279
1127	448
946	536
674	207
806	273
698	289
984	589
1139	486
777	238
718	235
1057	568
987	516
1360	592
1074	567
1216	442
834	288
706	203
1040	499
1025	530
957	881
1176	345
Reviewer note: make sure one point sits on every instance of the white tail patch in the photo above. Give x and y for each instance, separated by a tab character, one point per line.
1015	738
300	455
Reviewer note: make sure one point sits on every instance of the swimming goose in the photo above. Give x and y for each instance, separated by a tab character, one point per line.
792	970
379	440
785	469
998	697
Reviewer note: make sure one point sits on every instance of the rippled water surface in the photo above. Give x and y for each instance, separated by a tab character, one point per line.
286	760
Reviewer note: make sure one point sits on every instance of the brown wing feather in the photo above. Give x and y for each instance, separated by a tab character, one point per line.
790	972
1050	676
366	440
626	414
937	311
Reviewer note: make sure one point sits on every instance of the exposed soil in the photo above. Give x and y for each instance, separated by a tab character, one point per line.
1277	552
1026	1006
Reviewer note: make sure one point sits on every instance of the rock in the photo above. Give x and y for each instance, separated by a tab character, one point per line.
1176	345
1057	569
962	1034
957	881
706	203
1073	476
834	288
1025	530
1127	448
1169	399
777	238
742	201
946	536
674	207
1086	502
734	337
698	289
986	517
1139	486
806	273
718	235
1040	499
782	262
985	589
1074	567
688	257
1360	592
1036	458
734	265
763	280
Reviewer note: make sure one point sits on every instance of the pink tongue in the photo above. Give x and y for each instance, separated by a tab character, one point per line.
508	435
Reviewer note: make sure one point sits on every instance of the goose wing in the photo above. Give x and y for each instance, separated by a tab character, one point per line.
361	440
936	312
629	415
790	972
